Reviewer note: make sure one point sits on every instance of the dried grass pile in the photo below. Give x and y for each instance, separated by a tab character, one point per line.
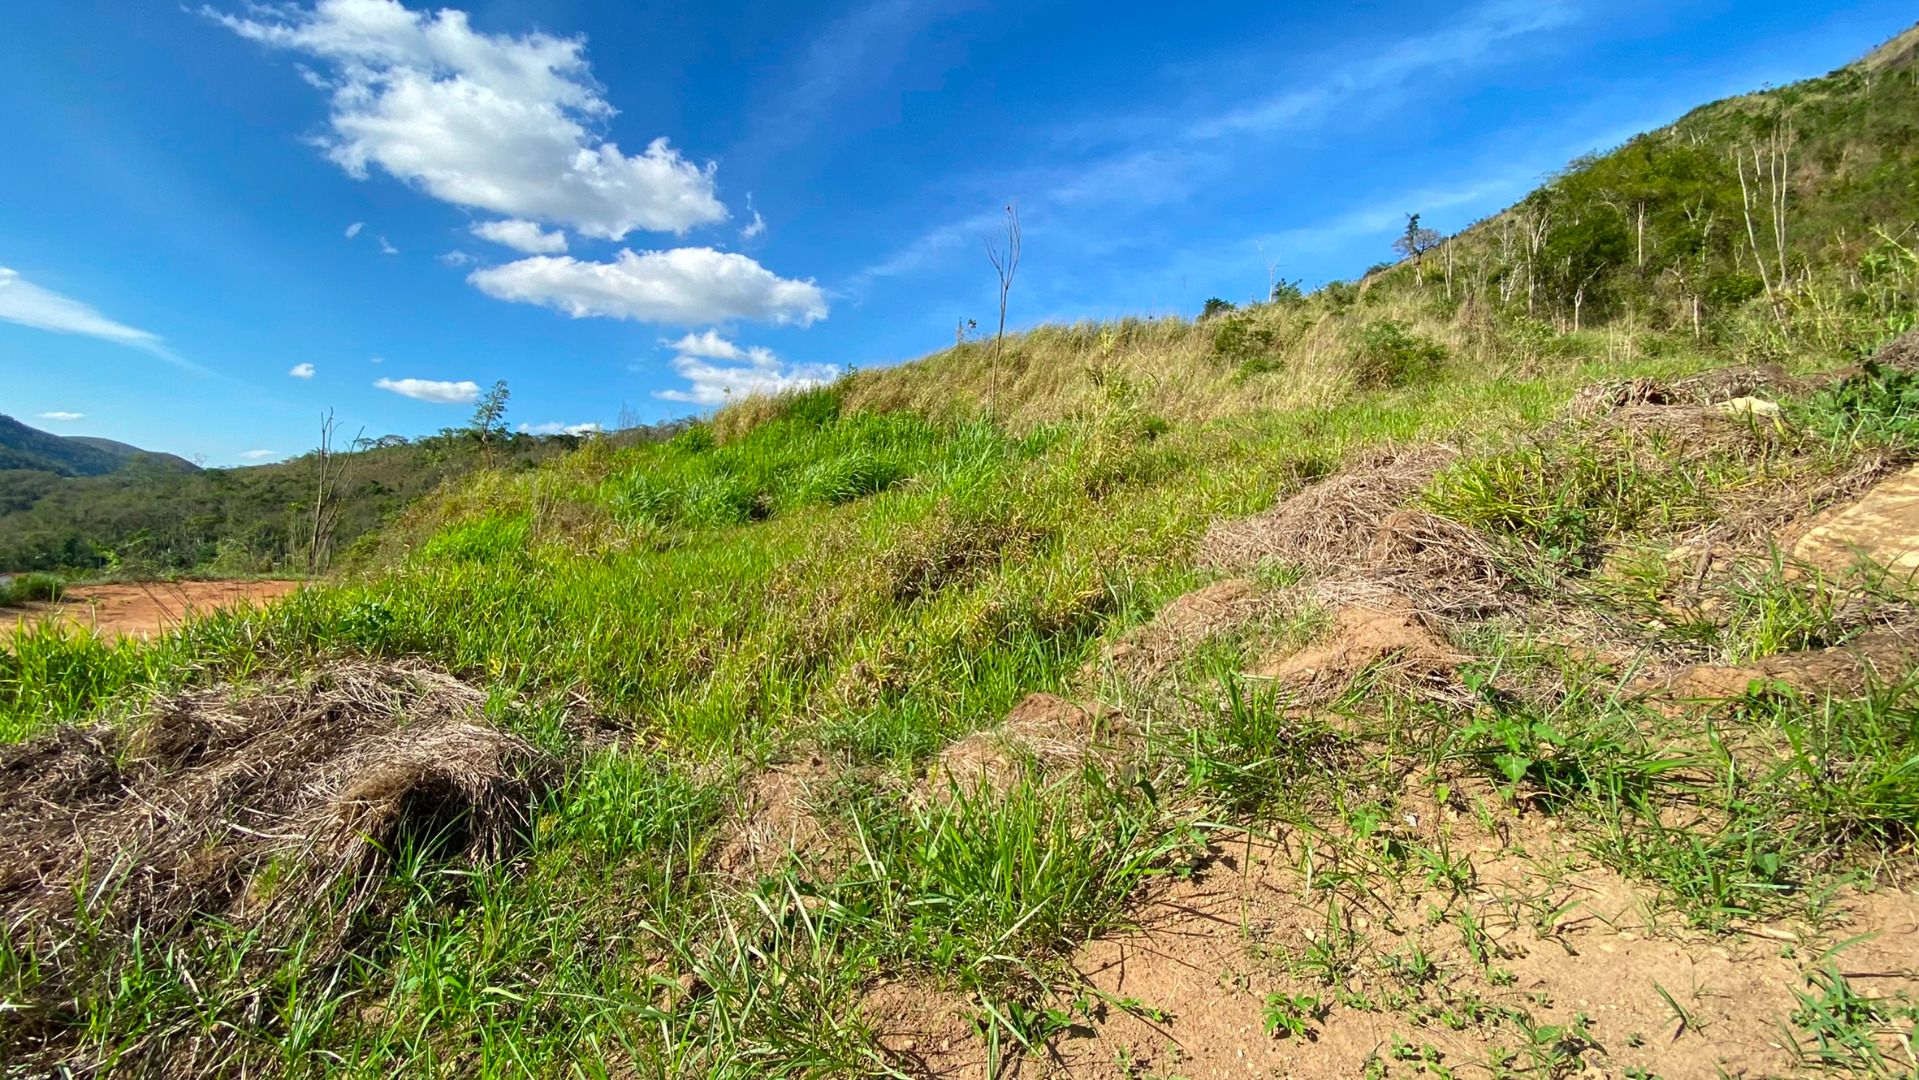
1357	533
1331	523
271	814
1707	388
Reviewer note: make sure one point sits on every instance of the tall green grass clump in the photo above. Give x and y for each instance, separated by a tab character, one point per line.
31	588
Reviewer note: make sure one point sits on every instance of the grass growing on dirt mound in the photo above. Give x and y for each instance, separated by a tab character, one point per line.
808	579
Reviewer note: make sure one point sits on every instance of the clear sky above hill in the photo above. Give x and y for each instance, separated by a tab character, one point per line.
217	222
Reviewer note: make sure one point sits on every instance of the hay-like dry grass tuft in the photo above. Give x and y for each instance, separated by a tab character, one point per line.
270	814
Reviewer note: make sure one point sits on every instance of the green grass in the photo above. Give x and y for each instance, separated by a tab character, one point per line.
874	587
31	588
867	571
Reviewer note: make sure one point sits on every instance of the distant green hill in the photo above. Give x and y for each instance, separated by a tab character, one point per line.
95	504
24	447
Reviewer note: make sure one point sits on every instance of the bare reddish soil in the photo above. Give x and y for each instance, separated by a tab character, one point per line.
143	609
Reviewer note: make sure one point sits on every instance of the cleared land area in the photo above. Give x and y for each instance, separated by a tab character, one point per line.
141	609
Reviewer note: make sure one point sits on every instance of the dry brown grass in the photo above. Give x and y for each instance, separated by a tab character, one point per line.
272	813
1168	367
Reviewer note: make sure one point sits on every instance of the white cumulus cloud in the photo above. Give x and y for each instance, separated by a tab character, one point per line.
353	230
499	122
301	371
526	236
258	455
710	345
682	286
23	302
463	392
557	428
63	416
743	372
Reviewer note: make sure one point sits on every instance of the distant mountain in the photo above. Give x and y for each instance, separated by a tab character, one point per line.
23	447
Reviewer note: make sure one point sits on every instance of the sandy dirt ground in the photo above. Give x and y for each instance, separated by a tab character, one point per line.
142	609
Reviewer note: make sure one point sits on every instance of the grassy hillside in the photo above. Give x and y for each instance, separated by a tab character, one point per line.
1650	250
727	786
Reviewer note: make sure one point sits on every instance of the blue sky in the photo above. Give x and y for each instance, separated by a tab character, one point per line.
217	222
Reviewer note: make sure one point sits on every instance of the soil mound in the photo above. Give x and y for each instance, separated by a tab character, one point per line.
1363	637
1043	731
1185	622
775	818
271	812
1877	657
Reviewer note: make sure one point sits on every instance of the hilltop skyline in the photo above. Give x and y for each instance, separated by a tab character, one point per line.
242	217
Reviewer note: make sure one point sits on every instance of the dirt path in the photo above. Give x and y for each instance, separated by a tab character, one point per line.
142	609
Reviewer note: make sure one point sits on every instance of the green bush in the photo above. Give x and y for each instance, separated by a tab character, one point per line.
1238	338
29	588
694	440
1389	354
1877	405
486	540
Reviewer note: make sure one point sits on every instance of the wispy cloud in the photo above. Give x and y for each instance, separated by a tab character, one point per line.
301	371
62	416
853	51
1106	172
928	247
258	455
387	248
23	302
439	392
353	230
1475	38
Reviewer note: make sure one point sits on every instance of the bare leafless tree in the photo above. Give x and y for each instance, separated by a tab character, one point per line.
329	469
1272	272
1005	259
1772	173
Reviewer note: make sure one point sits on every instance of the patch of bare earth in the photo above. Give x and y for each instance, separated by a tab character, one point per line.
143	609
1556	943
925	1031
776	820
1043	734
